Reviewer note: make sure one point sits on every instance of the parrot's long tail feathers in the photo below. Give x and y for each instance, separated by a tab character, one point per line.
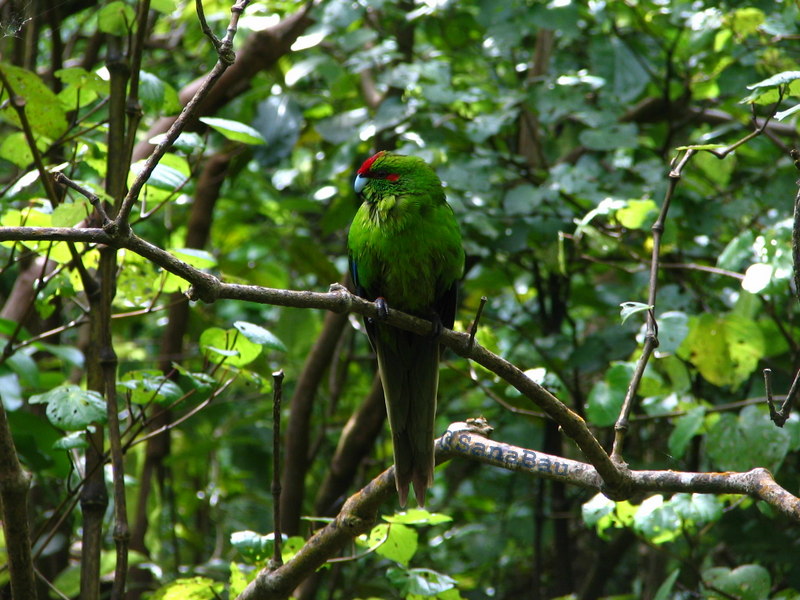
409	368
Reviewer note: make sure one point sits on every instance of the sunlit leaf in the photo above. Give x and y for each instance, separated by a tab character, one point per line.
259	335
229	345
234	130
631	308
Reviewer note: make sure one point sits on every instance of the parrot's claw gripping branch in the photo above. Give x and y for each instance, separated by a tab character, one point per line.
383	308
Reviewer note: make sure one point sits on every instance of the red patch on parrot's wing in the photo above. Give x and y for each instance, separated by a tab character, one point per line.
368	163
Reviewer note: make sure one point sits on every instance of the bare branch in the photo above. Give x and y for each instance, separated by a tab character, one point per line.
462	440
226	58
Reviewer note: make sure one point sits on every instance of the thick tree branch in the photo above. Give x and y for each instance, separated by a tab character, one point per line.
461	440
14	485
209	288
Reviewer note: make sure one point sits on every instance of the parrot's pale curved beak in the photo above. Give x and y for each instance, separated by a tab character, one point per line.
359	183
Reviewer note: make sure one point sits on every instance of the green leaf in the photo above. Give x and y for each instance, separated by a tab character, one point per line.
116	18
195	257
76	439
603	514
71	408
418	516
42	107
253	546
631	308
724	348
673	327
14	148
424	582
747	441
190	588
147	386
782	114
686	427
609	137
229	345
163	176
738	251
776	80
630	76
664	591
69	355
68	582
746	21
768	91
746	582
187	142
702	147
259	335
394	541
607	396
238	580
522	199
657	520
81	87
234	130
697	510
69	214
10	391
637	214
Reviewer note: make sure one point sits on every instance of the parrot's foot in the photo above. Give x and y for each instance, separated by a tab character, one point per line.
382	306
438	327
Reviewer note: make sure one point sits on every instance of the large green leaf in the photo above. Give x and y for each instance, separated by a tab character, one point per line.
42	107
230	346
724	348
746	582
234	130
72	408
747	441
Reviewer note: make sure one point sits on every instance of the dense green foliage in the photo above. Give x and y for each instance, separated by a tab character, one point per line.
554	126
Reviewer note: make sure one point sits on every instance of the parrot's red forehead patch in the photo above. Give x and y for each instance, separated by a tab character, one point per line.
368	163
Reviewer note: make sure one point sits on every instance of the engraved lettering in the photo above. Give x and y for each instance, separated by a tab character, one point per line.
446	439
512	457
478	449
544	465
462	444
495	453
561	468
529	459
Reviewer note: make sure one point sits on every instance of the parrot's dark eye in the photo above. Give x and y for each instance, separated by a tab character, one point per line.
383	174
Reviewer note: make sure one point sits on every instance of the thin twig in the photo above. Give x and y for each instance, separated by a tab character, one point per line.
93	198
474	327
277	395
201	16
651	332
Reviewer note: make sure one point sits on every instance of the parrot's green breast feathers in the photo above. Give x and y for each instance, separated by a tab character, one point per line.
405	244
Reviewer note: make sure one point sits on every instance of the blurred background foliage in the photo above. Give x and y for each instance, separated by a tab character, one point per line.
553	126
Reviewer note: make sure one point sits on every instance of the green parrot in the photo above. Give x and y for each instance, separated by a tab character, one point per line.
405	252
